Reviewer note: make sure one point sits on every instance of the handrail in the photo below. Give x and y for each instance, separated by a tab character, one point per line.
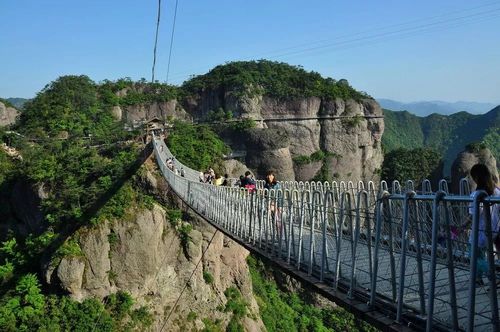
378	245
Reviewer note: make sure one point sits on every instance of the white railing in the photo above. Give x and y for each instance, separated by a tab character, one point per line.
393	247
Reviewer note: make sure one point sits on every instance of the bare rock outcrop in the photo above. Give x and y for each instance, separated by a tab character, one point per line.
160	110
8	115
234	168
145	256
465	160
348	131
268	149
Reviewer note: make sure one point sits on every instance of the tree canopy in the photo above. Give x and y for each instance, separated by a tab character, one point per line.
416	164
271	78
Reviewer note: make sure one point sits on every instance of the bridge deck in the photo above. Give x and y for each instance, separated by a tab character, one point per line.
332	239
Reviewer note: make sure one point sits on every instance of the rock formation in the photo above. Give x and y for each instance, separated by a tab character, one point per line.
348	131
160	110
145	256
465	160
8	115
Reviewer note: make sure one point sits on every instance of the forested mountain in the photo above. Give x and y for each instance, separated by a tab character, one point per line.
448	134
17	102
90	239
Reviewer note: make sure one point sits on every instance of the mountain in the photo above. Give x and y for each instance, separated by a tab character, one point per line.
17	102
92	239
424	108
448	134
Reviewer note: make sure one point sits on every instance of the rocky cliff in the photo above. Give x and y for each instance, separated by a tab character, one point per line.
8	115
155	259
147	111
310	127
348	132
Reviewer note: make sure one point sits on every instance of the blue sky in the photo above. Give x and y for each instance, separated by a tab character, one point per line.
404	50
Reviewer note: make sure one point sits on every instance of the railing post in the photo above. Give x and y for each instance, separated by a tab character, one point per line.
378	230
432	275
404	239
478	198
451	271
491	267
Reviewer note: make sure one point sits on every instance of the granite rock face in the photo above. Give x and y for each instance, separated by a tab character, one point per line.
160	110
145	256
8	115
348	131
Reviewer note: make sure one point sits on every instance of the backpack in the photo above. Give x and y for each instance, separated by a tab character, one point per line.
251	187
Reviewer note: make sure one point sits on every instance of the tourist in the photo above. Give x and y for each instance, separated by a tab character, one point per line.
201	177
225	183
484	181
183	173
495	215
271	182
239	183
248	182
274	203
218	180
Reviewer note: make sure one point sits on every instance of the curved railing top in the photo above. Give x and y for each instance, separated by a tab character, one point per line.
383	236
395	188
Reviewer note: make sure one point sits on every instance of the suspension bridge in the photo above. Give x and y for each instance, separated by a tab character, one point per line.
397	256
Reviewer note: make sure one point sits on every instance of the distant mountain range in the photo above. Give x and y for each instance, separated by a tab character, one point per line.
448	134
17	102
424	108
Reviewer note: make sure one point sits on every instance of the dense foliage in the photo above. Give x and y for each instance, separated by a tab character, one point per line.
282	311
126	92
271	78
26	308
417	164
197	146
446	134
83	181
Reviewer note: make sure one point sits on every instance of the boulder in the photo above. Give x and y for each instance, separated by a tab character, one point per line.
465	160
117	113
70	274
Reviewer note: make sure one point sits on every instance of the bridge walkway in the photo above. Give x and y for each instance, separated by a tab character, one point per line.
362	245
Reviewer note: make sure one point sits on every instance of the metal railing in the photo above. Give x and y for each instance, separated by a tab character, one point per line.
406	251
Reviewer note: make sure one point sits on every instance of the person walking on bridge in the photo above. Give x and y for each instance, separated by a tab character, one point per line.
274	203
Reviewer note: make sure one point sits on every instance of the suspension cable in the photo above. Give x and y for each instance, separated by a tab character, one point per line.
156	42
172	39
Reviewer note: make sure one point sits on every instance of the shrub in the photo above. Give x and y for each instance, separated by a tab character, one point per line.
301	160
174	216
191	316
184	229
416	165
208	277
283	311
352	122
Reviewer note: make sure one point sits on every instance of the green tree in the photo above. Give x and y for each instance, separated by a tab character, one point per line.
416	165
197	146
